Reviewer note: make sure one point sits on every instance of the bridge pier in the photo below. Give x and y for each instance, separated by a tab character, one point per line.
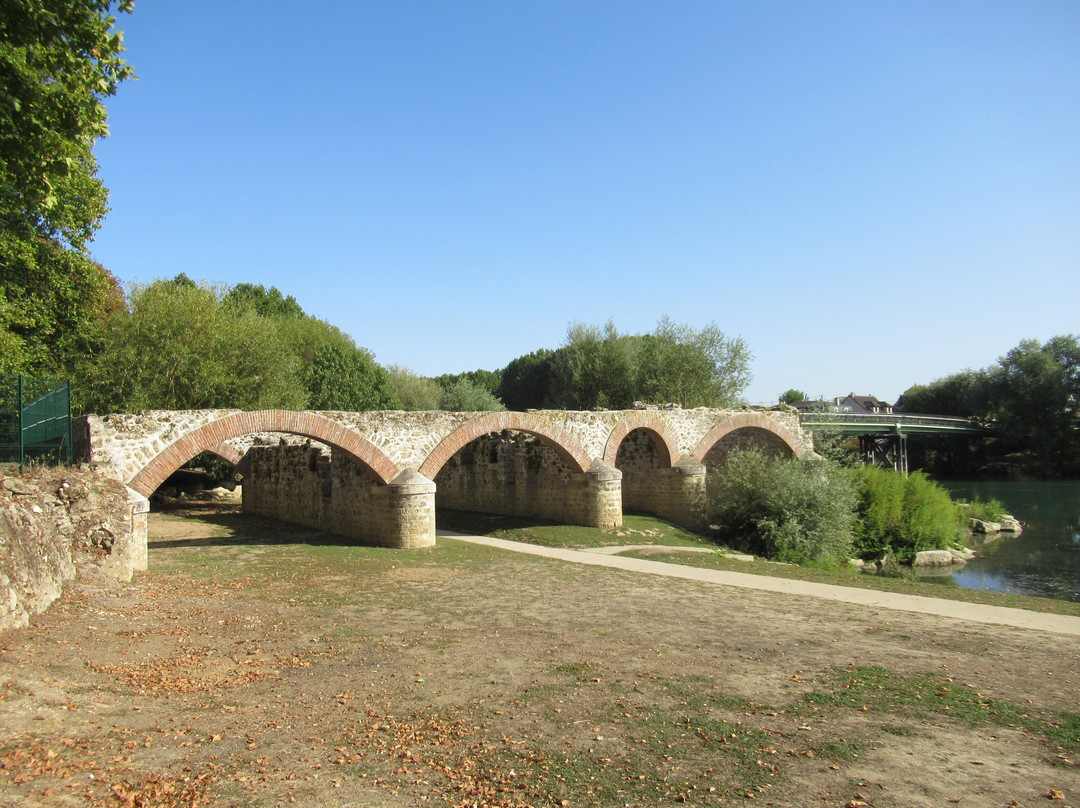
683	494
410	512
600	497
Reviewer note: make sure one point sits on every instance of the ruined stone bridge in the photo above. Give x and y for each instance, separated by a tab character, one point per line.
376	476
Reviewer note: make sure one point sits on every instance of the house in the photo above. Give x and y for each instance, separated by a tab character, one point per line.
850	404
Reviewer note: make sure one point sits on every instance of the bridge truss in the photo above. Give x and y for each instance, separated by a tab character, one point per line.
883	437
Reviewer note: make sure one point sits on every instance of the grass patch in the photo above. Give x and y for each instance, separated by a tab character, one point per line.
881	690
636	529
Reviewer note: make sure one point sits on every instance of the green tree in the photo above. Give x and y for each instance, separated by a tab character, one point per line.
485	379
1037	388
59	60
525	383
596	368
465	395
349	380
50	297
264	302
900	515
793	396
966	394
415	392
177	347
694	368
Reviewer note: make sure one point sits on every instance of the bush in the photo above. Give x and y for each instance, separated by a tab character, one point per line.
992	511
901	516
790	510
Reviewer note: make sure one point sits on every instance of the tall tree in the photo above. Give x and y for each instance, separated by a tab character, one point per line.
415	392
693	367
1038	393
349	380
525	383
59	60
177	347
596	368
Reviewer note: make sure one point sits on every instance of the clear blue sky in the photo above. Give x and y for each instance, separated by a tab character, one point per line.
871	194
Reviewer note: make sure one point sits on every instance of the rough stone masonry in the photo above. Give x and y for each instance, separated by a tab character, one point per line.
375	476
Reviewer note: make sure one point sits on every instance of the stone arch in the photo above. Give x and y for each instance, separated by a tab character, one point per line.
211	437
229	454
558	439
639	420
756	424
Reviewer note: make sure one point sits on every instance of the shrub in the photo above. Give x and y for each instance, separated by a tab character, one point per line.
901	515
992	511
789	510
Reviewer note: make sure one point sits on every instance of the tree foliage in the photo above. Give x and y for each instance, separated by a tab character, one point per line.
415	392
525	382
901	515
1037	391
349	380
793	396
599	367
1031	396
465	395
177	347
183	345
595	369
264	302
59	60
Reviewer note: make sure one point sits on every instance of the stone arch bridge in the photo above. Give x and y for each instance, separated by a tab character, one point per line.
376	476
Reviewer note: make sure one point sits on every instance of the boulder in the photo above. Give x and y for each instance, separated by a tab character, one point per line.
933	558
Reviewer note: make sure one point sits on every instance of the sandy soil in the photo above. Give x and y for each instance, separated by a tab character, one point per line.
260	665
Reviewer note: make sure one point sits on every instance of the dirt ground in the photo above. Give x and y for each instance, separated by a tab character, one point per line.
256	664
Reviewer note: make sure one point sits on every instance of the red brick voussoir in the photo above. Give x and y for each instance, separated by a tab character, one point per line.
211	437
559	439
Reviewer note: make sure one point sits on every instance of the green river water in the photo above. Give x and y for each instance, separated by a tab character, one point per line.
1045	559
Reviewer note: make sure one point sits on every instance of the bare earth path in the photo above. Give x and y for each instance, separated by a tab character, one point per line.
256	664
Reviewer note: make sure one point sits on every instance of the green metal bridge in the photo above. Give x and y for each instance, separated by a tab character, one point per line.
883	436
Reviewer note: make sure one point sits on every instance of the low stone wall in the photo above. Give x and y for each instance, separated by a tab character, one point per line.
53	522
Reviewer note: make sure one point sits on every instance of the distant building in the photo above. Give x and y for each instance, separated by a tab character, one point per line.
850	404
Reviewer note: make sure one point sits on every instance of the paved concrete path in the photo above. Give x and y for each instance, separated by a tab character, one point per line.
601	557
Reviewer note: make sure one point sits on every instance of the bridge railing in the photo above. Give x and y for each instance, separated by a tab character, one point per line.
895	423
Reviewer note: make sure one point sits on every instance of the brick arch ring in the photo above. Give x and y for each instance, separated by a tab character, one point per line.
746	420
211	438
558	439
640	420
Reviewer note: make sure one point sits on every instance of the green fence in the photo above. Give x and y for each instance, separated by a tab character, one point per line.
35	421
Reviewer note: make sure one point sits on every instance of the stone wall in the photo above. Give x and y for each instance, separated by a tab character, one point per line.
326	489
54	522
517	474
563	465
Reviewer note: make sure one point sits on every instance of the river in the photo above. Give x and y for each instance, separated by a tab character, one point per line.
1045	559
